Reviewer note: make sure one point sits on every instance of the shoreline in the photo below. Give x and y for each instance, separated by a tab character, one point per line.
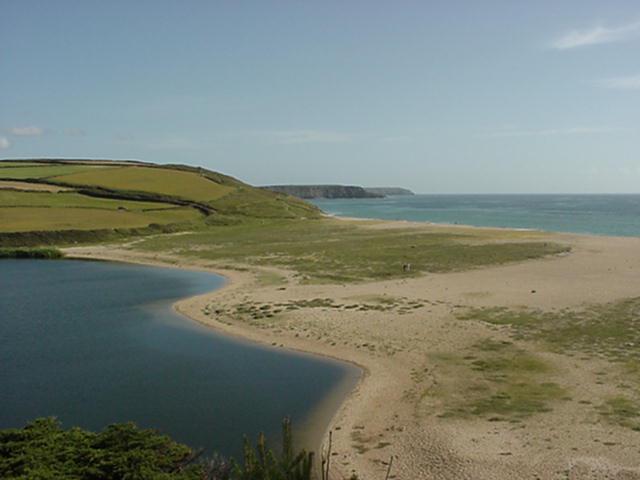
445	225
381	416
188	308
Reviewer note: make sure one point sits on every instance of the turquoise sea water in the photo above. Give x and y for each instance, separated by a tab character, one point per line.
95	343
617	215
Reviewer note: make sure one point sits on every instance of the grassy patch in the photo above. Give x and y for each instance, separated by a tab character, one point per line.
496	381
180	190
336	251
13	198
74	237
177	183
27	219
517	400
270	279
21	163
46	171
611	330
621	410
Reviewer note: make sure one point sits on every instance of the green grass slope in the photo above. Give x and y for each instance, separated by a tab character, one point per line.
127	198
176	183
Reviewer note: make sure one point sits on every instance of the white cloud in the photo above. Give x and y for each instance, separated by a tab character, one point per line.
549	132
293	137
4	143
30	131
596	35
622	83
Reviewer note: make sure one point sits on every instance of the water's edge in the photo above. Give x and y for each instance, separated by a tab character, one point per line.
580	214
314	434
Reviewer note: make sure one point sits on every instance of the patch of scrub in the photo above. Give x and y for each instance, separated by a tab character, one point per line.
611	330
621	410
266	278
321	251
495	380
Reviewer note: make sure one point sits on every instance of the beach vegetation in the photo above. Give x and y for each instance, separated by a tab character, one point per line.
334	251
621	410
496	381
44	253
611	330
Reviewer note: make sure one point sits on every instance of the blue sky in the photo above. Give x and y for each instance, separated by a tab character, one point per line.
456	96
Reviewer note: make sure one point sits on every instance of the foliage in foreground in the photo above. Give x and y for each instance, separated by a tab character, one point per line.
43	450
42	253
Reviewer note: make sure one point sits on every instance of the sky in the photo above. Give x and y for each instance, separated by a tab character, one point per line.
438	96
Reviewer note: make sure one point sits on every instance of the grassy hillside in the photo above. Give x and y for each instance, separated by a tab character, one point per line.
42	171
160	181
124	198
227	221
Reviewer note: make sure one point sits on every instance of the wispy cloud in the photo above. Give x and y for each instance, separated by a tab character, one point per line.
4	143
596	35
631	82
294	137
512	132
29	131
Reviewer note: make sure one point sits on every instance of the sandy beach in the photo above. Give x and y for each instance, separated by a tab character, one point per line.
404	334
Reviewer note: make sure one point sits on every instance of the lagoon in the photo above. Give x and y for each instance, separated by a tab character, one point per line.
95	343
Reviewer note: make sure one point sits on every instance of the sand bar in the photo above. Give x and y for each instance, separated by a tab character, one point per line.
395	410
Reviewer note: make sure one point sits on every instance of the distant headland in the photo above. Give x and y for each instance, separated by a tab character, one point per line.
337	191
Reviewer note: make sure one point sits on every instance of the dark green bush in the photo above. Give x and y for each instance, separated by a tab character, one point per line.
43	450
44	253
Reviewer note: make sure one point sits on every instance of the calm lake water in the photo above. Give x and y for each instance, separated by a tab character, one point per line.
95	343
617	215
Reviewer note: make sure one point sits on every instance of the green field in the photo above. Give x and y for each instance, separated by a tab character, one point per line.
42	211
29	219
17	164
182	184
14	198
44	171
109	197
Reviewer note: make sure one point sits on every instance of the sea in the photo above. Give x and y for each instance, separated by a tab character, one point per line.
612	215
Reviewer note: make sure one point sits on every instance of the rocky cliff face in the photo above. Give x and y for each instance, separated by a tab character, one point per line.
389	191
323	191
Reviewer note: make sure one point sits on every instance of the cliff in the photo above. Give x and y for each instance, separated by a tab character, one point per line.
389	191
323	191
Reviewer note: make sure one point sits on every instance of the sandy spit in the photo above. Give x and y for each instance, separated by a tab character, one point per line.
390	413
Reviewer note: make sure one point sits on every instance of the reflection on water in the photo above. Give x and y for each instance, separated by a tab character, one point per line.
95	343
